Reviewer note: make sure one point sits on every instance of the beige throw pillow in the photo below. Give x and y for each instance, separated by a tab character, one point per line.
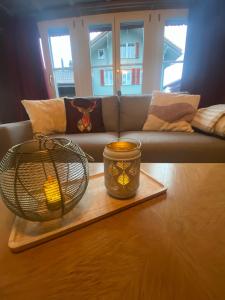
47	116
171	112
206	119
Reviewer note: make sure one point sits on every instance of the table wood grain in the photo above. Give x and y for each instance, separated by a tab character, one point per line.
172	247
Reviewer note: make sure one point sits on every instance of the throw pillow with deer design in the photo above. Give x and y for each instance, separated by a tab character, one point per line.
84	115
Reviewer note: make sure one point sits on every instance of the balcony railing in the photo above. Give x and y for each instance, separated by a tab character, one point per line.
63	75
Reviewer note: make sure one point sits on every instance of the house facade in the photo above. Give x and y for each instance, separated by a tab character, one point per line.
131	58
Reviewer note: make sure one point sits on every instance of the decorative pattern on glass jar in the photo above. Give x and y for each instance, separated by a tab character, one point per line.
122	167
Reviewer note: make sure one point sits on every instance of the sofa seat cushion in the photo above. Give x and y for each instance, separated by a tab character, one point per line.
179	147
92	143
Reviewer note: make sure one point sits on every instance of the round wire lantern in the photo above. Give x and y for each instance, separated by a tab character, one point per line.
44	178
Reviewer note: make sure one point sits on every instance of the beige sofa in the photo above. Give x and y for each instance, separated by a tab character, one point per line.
124	117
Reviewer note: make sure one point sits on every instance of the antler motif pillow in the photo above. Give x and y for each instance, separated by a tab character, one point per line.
84	115
171	112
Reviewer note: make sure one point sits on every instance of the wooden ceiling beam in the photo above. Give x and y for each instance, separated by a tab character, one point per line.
99	7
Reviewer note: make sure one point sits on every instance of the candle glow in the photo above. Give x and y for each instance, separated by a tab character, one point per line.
123	178
52	193
122	146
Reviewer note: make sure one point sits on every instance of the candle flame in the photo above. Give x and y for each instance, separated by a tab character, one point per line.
52	193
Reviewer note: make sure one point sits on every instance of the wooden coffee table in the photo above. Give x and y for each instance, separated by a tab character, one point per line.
170	247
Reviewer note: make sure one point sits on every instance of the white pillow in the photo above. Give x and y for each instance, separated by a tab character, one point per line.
171	112
46	116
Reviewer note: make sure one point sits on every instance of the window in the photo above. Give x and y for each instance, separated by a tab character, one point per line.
129	50
173	54
126	53
61	60
131	76
101	53
126	77
106	77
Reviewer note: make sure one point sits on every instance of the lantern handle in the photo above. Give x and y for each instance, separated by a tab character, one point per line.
46	139
89	157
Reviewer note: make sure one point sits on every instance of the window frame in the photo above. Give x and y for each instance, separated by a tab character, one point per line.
43	28
154	21
171	61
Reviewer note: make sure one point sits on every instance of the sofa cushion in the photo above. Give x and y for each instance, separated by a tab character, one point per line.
92	143
110	113
171	112
207	118
133	112
47	116
84	115
179	147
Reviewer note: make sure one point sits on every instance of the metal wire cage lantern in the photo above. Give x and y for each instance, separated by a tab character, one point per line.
44	178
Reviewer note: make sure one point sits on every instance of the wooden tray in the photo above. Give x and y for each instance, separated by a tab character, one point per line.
96	204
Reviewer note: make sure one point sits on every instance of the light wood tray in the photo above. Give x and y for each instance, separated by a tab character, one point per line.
96	204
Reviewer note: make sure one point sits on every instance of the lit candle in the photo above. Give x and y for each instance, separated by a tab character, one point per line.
52	193
122	168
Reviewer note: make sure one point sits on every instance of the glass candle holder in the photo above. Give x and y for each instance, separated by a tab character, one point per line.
122	167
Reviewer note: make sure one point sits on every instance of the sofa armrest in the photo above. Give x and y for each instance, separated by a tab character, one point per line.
14	133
